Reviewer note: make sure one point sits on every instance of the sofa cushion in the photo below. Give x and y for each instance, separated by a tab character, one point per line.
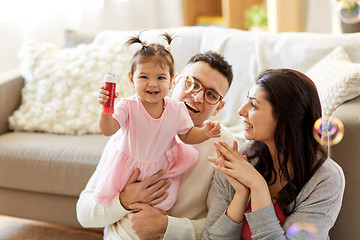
336	78
48	163
74	38
61	86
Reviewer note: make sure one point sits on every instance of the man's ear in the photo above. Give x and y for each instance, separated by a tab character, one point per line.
221	104
131	80
174	81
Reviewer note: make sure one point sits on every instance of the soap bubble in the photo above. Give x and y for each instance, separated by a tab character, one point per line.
189	83
302	230
349	13
328	131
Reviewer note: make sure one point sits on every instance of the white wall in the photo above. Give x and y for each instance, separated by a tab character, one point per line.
320	16
10	40
45	20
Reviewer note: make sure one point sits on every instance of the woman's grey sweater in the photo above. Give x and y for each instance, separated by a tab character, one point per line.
318	203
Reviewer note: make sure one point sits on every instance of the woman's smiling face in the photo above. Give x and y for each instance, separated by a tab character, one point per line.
259	119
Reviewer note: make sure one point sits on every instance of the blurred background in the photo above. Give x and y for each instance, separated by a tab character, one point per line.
47	20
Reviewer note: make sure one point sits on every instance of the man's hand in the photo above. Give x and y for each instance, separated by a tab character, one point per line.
147	222
150	191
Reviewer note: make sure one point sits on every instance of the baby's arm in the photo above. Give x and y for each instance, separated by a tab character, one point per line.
107	124
197	135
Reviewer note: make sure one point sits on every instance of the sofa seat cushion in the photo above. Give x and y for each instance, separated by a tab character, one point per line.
48	163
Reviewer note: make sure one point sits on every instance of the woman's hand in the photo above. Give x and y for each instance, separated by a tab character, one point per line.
241	170
237	206
236	166
219	161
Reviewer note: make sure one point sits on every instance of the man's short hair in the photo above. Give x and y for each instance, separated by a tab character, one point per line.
216	61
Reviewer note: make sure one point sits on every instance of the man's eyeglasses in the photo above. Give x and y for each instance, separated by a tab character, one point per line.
193	85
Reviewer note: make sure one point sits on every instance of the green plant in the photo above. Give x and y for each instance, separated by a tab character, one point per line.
349	4
348	10
256	16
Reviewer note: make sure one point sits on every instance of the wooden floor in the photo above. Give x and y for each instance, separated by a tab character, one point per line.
53	226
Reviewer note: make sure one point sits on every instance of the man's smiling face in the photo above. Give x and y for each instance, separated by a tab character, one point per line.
198	108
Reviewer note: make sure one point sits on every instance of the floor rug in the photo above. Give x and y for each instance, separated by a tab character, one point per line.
21	229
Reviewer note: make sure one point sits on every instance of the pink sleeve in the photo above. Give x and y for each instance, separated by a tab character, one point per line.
121	113
185	120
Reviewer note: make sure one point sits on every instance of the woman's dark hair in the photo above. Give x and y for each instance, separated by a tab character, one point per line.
217	62
152	52
296	107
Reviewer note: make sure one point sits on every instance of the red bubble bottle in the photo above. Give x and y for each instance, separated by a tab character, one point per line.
110	85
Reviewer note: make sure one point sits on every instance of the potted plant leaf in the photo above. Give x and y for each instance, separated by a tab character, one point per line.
349	13
256	18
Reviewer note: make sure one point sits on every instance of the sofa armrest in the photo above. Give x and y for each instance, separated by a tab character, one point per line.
346	154
11	84
349	114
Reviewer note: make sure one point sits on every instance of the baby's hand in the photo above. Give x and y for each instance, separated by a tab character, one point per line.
104	95
212	129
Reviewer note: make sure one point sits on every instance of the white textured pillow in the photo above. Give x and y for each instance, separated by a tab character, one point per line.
337	79
61	86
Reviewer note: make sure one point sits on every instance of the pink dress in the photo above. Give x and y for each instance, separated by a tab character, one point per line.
150	145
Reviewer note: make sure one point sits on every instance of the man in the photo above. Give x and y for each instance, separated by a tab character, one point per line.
130	214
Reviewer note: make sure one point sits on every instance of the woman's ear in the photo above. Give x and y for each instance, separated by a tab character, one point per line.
131	80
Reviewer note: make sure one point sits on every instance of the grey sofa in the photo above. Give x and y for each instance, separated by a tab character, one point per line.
42	174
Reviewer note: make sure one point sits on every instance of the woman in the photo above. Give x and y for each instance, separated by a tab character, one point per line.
284	176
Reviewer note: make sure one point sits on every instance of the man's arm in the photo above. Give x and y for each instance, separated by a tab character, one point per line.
89	212
184	228
150	223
